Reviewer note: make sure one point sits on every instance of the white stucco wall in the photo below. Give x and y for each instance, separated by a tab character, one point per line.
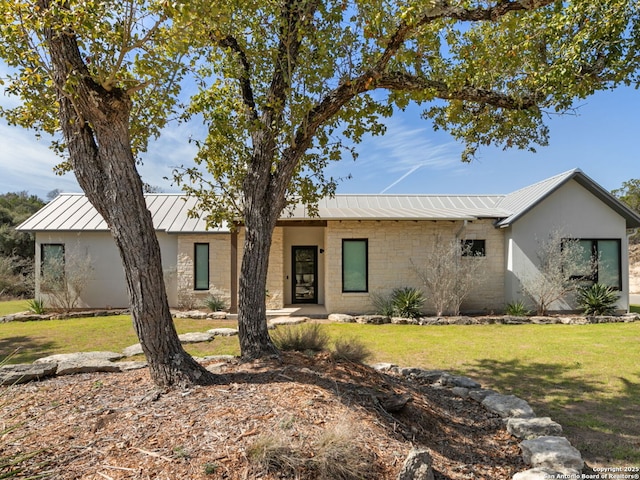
574	212
107	286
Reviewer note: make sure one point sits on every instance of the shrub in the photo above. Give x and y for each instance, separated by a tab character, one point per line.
597	299
338	456
215	303
36	306
269	454
407	302
517	309
382	304
351	350
301	338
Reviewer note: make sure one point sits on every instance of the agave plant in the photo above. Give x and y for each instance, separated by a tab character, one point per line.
597	299
407	302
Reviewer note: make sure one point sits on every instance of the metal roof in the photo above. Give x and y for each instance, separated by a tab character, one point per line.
170	212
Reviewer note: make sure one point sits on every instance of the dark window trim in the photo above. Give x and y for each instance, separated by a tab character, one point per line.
195	266
42	256
366	264
594	253
475	250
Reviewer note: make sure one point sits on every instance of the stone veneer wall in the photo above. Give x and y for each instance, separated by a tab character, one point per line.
393	245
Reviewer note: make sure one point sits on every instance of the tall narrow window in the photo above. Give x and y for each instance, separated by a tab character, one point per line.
355	265
52	263
600	262
201	266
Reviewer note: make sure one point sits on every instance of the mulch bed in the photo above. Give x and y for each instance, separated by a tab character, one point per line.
118	426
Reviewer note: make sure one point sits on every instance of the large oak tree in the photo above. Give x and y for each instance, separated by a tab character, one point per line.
289	83
106	74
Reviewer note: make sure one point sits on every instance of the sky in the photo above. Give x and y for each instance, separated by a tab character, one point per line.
601	139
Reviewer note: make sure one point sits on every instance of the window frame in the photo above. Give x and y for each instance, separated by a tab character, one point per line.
43	247
473	251
595	254
366	264
196	285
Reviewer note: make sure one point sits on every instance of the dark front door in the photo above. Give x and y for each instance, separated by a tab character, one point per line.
305	274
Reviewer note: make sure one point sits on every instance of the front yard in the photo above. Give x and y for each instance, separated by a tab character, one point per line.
586	377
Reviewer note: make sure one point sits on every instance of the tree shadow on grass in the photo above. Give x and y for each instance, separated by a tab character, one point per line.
24	349
604	426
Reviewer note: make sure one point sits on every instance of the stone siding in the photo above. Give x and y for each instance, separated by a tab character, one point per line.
394	245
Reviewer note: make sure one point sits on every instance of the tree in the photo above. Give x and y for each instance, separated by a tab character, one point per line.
563	264
106	76
292	84
629	193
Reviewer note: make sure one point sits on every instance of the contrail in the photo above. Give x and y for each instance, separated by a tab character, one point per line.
402	178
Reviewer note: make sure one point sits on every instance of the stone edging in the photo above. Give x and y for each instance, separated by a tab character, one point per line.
549	454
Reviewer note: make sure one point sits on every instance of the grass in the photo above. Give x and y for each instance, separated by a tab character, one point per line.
586	377
13	306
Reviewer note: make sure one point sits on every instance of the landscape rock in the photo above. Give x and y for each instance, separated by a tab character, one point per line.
25	372
404	321
127	366
383	367
508	406
430	376
341	318
223	332
417	466
288	320
71	367
200	315
80	357
448	380
460	392
195	337
551	452
133	350
394	403
545	474
372	319
529	428
480	394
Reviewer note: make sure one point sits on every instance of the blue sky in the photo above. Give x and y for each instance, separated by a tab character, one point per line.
601	139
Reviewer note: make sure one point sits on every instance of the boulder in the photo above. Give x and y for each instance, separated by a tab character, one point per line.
133	350
460	392
551	452
288	320
528	428
25	372
373	319
223	332
80	357
195	337
341	318
417	466
383	367
508	406
71	367
480	394
448	380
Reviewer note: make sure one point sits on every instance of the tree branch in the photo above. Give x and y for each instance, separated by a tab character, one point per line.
245	84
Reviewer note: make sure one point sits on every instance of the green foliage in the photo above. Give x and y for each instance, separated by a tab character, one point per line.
597	299
629	193
215	303
351	350
517	309
407	302
16	277
36	305
383	304
301	338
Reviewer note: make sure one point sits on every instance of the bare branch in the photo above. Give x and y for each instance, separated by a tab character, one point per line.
245	84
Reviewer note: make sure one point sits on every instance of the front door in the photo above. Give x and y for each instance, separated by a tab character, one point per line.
305	274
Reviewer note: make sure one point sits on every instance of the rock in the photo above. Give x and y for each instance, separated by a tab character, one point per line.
508	406
372	319
460	392
80	357
341	318
133	350
431	376
394	403
127	366
25	372
383	367
195	337
551	452
545	474
407	371
528	428
223	332
404	321
417	466
70	367
481	393
458	381
288	320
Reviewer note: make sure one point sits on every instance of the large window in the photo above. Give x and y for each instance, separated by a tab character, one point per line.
201	266
355	265
601	262
52	262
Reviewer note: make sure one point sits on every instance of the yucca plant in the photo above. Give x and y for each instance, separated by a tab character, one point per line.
36	305
597	299
215	303
407	302
517	309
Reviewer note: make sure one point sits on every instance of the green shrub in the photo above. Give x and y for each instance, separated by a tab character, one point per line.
36	306
301	338
597	299
382	304
350	349
517	309
407	302
215	303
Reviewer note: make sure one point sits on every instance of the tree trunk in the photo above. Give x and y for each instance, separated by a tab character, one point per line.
95	123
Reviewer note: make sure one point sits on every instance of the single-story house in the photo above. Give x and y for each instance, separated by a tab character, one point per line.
356	247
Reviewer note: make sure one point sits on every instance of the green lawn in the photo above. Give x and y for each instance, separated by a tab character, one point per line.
13	306
587	377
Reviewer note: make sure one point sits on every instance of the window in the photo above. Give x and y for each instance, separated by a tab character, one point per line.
355	265
473	248
201	266
604	256
51	264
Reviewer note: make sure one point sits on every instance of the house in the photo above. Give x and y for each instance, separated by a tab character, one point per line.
357	246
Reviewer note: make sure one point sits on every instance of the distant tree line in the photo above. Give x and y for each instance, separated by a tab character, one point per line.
629	193
17	249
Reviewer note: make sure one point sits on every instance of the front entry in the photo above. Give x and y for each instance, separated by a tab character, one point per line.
304	274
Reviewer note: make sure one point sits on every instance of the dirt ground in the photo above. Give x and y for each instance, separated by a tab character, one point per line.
301	417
